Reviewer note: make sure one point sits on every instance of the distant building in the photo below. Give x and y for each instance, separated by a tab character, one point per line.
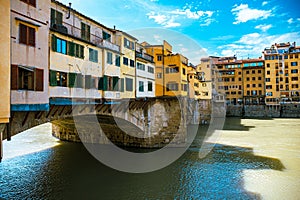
282	73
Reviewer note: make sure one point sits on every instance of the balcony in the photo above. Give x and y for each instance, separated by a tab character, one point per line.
97	40
144	56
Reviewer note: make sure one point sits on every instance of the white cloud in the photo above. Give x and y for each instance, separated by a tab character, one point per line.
243	13
290	21
264	3
164	20
251	45
264	27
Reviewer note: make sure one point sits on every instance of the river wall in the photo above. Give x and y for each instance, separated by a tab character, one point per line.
264	111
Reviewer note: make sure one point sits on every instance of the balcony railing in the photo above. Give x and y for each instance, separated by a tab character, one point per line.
97	40
144	56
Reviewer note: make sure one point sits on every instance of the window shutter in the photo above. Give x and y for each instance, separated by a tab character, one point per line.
105	81
23	34
52	78
52	17
32	2
79	81
72	78
39	79
71	49
100	83
83	33
59	17
88	32
14	77
31	33
122	84
54	45
88	81
81	48
116	83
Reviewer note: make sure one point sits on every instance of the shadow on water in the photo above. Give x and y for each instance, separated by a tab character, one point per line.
68	171
234	124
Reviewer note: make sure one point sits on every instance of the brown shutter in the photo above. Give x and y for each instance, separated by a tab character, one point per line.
39	79
31	33
23	34
32	2
14	77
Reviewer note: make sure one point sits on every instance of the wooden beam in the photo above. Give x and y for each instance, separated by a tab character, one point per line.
25	119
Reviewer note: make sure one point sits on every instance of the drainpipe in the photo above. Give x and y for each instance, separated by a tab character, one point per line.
163	68
69	13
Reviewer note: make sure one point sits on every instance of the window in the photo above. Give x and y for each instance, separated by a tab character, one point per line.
294	64
125	61
260	85
30	2
248	85
109	58
248	79
253	85
131	63
118	60
150	86
268	79
159	58
56	18
296	55
172	70
294	78
253	71
150	69
93	55
128	44
172	86
268	87
106	36
253	78
141	86
294	71
61	46
183	71
184	87
268	72
75	80
27	78
247	72
26	35
58	78
268	64
291	56
259	71
294	85
85	31
159	75
259	78
129	84
76	50
140	66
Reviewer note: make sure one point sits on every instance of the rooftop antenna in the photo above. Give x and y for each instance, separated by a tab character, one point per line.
69	13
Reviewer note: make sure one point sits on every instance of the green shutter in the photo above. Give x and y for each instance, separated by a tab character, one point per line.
54	45
81	51
100	83
71	49
72	78
105	82
79	81
59	17
83	31
52	17
52	78
116	83
122	84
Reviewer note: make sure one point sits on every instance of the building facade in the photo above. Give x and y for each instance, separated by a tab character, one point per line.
29	55
5	62
282	74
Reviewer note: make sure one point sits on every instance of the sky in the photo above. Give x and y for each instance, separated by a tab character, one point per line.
201	28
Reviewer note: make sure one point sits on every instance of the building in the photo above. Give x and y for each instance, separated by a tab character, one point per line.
171	70
29	55
253	81
228	77
282	75
5	63
145	73
127	45
84	57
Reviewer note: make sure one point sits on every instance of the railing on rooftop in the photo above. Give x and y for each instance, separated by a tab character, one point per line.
97	40
144	56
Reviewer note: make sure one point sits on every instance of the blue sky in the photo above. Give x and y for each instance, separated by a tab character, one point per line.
200	28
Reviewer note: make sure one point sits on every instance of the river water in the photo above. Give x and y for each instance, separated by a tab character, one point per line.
251	159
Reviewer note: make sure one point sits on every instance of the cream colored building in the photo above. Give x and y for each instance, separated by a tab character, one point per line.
29	55
84	57
5	62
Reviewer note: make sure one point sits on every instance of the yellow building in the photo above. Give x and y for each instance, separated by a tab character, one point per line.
84	58
29	55
127	44
228	77
282	73
253	81
171	70
5	62
194	83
